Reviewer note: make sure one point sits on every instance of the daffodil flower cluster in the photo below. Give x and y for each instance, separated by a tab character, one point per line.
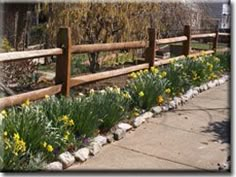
154	70
19	144
26	103
48	147
209	66
141	94
66	135
3	114
167	91
160	100
67	121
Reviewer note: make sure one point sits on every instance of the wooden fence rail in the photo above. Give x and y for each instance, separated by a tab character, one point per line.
195	36
171	40
224	34
23	55
92	48
65	49
33	95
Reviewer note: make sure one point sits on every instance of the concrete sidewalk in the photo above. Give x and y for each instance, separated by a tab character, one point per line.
193	137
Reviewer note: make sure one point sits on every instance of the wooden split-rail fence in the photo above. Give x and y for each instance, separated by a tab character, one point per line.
65	49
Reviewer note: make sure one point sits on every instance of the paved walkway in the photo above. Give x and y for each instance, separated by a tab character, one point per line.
193	137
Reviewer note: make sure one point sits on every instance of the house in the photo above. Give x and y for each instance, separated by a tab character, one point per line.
219	14
225	17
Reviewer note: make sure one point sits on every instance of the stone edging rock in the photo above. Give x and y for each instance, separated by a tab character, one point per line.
67	159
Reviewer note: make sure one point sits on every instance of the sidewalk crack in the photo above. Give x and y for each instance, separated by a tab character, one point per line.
177	128
157	157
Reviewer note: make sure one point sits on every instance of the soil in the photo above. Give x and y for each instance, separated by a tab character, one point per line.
119	81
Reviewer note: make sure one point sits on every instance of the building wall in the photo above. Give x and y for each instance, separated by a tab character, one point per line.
225	19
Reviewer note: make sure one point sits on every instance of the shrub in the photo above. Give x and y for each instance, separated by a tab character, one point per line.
77	64
58	111
148	88
29	138
179	81
195	69
114	106
99	111
224	61
120	59
20	75
6	46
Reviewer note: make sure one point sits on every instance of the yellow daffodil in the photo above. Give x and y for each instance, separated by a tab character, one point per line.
19	144
16	136
5	133
122	109
26	103
212	76
163	74
154	70
194	57
167	91
49	148
160	100
71	122
133	75
67	133
3	114
7	143
136	114
202	53
145	71
66	137
110	89
173	61
46	96
117	90
45	144
126	95
141	94
65	118
216	59
210	66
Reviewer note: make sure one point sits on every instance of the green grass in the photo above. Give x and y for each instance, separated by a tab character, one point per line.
203	46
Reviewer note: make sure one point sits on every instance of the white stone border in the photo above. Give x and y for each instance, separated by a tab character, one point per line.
67	159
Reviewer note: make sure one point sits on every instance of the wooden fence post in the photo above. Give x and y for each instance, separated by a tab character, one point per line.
215	42
187	44
63	62
151	50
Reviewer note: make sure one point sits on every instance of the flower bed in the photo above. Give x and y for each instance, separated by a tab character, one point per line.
35	134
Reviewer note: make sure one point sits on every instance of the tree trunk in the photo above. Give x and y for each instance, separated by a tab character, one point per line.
15	30
6	89
93	61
